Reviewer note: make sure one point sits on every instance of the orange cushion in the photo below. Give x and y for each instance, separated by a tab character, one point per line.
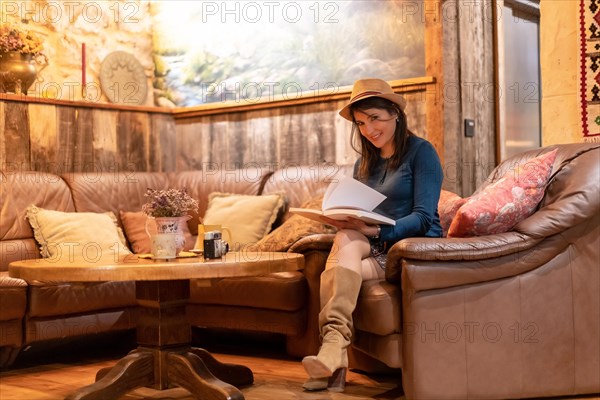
504	203
448	205
134	225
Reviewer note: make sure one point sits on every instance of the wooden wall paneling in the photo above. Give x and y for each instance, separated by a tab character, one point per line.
434	106
67	139
326	138
487	145
232	156
475	38
416	118
2	139
219	157
261	144
303	139
104	129
298	132
132	141
448	92
289	132
192	145
43	137
16	137
162	143
344	153
276	118
84	141
468	28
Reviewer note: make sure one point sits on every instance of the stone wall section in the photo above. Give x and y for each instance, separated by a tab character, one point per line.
105	26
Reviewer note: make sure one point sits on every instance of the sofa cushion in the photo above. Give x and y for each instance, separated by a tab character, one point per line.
134	224
379	308
114	191
77	235
13	297
294	228
503	204
286	291
215	177
17	249
71	325
61	298
18	190
249	218
291	323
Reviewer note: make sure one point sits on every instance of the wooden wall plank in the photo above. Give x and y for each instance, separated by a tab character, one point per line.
162	144
104	126
16	137
193	146
476	75
84	141
487	146
132	141
67	143
2	139
434	106
44	138
344	153
236	140
261	143
292	149
449	95
218	142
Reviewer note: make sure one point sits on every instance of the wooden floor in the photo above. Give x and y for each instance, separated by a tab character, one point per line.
53	373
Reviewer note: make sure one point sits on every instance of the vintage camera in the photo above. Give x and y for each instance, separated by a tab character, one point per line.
214	245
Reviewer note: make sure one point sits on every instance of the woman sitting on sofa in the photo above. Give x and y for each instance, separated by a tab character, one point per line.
407	170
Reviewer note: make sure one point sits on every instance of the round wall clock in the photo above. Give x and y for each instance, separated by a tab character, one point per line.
122	79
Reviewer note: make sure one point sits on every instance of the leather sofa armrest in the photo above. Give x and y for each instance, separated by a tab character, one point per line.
322	241
455	250
418	275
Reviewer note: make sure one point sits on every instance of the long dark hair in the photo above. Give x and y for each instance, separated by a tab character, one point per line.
369	153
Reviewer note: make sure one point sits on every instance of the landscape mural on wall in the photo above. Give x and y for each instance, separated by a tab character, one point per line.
253	51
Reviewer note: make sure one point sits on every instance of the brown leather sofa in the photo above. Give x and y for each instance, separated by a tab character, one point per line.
49	310
502	316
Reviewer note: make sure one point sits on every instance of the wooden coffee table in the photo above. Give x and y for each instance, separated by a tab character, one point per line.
164	357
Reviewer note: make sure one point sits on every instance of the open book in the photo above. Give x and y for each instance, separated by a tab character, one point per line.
346	198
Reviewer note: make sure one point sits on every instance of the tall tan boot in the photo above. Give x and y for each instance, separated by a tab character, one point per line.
339	291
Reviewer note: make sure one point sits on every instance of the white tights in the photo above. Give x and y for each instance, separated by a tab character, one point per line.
351	249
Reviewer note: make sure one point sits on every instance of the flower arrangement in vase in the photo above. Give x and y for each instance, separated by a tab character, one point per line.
20	50
169	209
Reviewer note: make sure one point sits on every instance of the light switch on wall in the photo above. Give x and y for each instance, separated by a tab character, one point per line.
469	128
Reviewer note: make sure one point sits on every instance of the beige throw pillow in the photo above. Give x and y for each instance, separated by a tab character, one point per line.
81	236
248	217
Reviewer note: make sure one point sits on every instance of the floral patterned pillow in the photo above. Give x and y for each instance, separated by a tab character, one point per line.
448	205
503	204
294	228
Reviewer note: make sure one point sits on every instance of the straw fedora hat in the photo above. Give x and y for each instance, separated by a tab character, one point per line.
371	87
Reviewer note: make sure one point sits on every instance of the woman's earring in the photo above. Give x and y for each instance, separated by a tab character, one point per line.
397	120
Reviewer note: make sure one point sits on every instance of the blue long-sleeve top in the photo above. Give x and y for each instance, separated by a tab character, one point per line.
412	190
